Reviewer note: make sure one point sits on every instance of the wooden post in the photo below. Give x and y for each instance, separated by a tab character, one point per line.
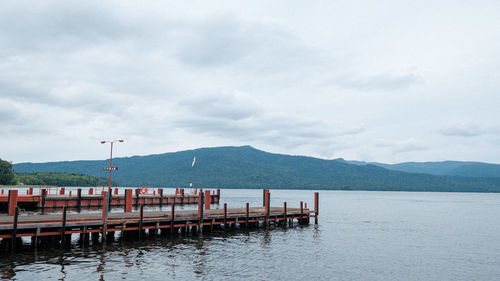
44	194
79	194
110	198
124	228
284	212
301	211
63	229
14	228
91	191
30	191
84	236
172	219
264	197
136	198
268	207
182	196
225	215
62	191
12	201
161	197
208	199
200	210
104	204
316	207
128	200
247	214
116	190
140	220
218	195
37	234
104	214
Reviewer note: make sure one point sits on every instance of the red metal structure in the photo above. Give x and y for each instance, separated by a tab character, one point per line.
93	198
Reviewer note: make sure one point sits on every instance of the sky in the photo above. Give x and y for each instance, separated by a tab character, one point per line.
385	81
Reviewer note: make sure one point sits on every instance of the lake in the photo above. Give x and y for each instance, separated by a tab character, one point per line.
361	236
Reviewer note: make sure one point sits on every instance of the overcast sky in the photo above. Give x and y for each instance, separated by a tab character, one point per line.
387	81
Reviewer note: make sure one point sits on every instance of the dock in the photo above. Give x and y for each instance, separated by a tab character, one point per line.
52	198
57	229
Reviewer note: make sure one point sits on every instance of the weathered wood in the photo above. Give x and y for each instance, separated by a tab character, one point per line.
161	197
63	228
268	207
141	220
37	234
316	207
128	200
172	219
301	212
12	201
225	216
105	202
110	199
79	195
136	198
208	199
284	212
14	230
44	194
247	214
200	211
264	197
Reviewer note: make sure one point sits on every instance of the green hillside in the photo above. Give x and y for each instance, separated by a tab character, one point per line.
247	167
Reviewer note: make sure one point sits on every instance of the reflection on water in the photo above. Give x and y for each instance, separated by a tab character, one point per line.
194	253
360	236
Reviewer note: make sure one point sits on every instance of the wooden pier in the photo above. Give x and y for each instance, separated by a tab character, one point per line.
93	199
57	229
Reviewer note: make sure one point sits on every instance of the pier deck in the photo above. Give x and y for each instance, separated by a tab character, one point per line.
58	228
28	225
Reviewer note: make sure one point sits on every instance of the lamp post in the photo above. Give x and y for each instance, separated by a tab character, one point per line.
111	168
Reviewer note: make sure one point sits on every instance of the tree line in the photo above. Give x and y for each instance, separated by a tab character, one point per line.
9	177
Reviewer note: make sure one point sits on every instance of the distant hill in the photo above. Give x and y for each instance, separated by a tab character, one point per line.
247	167
445	168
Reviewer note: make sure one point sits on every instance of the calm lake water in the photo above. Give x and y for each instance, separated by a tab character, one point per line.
360	236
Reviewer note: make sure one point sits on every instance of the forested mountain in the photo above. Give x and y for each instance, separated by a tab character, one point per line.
247	167
445	168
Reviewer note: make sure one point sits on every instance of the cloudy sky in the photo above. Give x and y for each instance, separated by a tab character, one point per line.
387	81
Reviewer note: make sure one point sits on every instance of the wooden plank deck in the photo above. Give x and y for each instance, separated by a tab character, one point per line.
60	227
55	220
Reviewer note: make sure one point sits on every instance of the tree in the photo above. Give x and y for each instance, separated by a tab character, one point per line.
7	176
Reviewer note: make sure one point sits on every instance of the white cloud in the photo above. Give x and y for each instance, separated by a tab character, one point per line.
306	80
468	129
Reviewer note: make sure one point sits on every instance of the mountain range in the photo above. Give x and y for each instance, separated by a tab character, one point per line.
247	167
444	168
